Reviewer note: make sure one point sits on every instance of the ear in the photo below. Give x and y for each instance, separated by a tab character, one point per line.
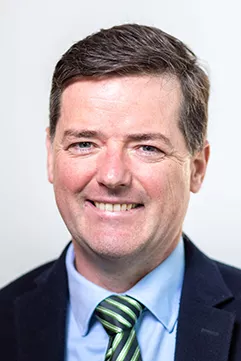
49	146
199	166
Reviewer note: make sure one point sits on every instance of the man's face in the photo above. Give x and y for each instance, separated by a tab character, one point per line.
120	167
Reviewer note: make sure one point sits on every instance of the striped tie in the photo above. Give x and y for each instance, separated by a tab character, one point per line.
118	315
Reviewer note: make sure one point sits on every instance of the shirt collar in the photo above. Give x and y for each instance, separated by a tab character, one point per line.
159	291
84	295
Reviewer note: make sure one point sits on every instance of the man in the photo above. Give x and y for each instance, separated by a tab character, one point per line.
126	146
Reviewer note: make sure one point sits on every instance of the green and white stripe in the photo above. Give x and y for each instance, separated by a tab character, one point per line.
109	325
136	354
119	321
117	340
127	346
114	345
114	315
131	301
122	307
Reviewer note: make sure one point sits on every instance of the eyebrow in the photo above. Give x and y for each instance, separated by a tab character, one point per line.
138	137
81	134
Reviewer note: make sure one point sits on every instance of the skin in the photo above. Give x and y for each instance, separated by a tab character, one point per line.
97	154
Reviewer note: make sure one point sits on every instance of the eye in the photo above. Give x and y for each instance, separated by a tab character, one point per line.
150	149
149	152
81	147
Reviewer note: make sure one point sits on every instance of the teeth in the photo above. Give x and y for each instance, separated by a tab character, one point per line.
117	208
102	206
109	207
124	207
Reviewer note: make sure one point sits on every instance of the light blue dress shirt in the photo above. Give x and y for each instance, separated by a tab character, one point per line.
159	291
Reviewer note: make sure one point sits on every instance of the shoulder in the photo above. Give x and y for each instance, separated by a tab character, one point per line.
8	296
23	284
29	281
232	277
208	279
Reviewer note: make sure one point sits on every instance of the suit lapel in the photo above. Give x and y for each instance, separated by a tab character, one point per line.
204	330
41	316
204	333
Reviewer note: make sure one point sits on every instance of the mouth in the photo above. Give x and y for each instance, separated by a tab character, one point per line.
115	207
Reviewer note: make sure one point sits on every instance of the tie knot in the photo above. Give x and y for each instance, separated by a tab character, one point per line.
118	313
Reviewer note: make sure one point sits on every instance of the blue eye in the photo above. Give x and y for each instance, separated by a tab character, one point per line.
150	148
84	145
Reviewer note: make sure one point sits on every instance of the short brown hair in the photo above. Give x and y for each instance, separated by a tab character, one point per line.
133	49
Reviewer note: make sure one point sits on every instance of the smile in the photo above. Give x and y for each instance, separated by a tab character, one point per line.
115	207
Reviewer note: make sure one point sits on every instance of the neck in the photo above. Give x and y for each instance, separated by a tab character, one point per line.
117	274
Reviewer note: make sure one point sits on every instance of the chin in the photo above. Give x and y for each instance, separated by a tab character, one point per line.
109	247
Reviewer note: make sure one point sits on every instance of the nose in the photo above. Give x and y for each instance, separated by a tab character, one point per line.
112	170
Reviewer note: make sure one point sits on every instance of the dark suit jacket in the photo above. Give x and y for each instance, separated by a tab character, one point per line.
33	312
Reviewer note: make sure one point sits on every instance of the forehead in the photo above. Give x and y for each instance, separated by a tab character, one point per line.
122	100
121	90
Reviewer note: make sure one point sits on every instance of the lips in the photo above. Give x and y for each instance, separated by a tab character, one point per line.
115	207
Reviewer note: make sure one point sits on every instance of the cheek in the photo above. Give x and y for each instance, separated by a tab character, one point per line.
178	185
72	175
166	183
153	180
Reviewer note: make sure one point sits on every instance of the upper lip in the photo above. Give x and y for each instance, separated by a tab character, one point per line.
111	201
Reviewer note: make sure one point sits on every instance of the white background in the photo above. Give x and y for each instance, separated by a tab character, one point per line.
33	35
